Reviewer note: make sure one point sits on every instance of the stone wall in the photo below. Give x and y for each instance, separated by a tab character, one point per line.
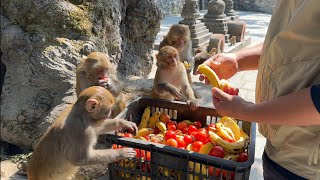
255	5
170	6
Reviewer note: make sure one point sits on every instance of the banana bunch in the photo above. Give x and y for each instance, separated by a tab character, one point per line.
162	126
153	119
145	118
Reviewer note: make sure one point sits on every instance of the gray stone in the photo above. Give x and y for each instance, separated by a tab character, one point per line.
43	41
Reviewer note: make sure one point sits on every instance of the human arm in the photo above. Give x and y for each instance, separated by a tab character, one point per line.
298	108
227	65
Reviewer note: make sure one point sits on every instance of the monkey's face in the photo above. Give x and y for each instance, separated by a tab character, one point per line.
168	57
178	42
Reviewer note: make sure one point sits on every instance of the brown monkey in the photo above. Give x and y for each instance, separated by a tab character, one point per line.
233	40
179	37
69	142
202	55
171	80
97	70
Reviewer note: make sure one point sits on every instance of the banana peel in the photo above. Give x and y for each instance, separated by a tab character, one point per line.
186	64
145	118
144	132
226	132
230	123
210	74
231	147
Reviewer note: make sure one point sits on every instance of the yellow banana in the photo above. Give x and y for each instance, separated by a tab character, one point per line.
210	74
188	122
153	119
232	157
142	138
144	132
145	118
234	147
186	64
230	123
205	149
162	127
226	132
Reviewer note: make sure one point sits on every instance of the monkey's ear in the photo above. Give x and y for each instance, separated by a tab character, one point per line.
91	105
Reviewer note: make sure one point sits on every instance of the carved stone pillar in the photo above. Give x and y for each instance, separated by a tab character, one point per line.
199	33
229	11
215	19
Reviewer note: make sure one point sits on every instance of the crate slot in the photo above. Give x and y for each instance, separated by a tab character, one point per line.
240	124
175	114
170	113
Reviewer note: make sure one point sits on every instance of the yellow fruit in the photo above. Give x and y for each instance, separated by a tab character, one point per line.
145	118
162	127
205	149
186	64
210	74
224	83
142	138
189	147
144	132
153	119
234	147
226	132
230	123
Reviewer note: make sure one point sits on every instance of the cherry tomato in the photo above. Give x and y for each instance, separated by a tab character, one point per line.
215	172
198	124
187	139
201	136
196	146
156	130
147	137
128	135
182	125
185	130
192	128
211	126
148	156
114	146
140	153
165	118
172	142
243	157
169	124
207	140
181	142
178	131
217	151
172	127
170	135
193	133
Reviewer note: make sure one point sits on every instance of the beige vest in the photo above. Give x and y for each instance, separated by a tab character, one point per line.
290	62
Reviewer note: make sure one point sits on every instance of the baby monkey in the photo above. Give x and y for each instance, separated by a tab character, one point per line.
171	80
70	141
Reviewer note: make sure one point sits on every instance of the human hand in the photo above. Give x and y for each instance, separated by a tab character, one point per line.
225	65
230	105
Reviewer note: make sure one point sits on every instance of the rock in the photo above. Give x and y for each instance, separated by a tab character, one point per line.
43	41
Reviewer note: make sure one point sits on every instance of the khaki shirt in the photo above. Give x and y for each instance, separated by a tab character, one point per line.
291	61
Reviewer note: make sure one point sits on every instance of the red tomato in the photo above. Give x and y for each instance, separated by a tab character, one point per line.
128	135
211	126
193	133
217	151
182	125
170	135
155	140
148	156
164	118
201	136
178	131
202	129
185	130
231	175
198	124
172	127
156	130
181	142
215	172
114	146
140	153
196	146
192	128
187	139
172	142
169	124
243	157
147	137
207	140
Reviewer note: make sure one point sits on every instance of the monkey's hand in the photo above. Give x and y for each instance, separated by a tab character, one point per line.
176	94
125	153
193	104
131	126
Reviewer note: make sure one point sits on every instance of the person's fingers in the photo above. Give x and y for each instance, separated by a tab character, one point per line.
215	101
236	91
219	94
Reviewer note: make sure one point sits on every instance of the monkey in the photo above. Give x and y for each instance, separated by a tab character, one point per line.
70	141
171	80
233	40
97	70
179	37
202	55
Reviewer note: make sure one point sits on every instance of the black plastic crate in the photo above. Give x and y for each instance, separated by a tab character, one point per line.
173	163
